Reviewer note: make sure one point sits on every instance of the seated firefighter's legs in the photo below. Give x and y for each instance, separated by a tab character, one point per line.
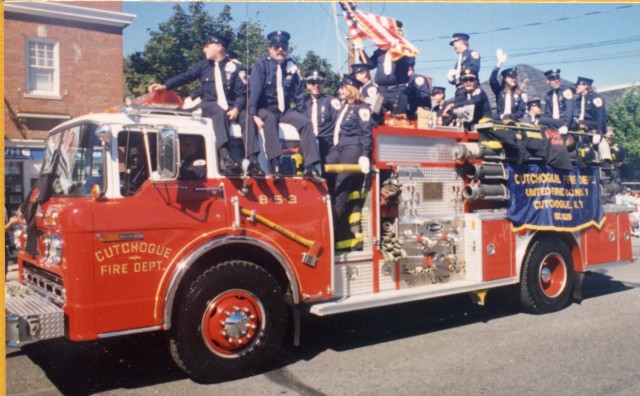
347	199
221	132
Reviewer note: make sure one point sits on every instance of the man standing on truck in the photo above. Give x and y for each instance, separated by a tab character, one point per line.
224	87
275	82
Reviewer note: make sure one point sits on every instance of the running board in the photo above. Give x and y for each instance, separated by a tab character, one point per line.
391	297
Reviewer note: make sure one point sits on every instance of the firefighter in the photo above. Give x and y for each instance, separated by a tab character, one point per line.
392	78
467	59
369	90
224	90
510	103
590	114
352	145
532	115
419	94
275	82
470	94
559	103
438	99
192	162
322	109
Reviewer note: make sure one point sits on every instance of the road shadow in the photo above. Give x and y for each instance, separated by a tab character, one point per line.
142	360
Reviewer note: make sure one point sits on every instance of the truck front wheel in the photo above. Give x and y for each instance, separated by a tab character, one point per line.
230	322
546	279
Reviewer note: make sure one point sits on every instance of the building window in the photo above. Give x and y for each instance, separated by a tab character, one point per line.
43	68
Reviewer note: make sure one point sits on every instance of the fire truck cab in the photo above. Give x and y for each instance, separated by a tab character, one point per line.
126	244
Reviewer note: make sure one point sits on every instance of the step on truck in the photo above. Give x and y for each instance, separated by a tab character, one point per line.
117	243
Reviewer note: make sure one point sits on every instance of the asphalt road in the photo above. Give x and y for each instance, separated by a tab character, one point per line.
445	346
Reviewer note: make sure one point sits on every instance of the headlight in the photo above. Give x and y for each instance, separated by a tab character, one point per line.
53	248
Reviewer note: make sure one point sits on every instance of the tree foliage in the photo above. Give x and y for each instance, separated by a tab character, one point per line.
624	116
177	45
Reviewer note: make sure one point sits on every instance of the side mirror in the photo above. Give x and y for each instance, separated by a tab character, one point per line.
167	158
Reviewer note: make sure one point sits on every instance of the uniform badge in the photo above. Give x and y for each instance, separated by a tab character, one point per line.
475	55
365	114
230	67
568	94
199	162
335	103
419	81
372	91
598	102
476	92
243	76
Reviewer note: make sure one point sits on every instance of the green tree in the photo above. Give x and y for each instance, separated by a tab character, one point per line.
624	116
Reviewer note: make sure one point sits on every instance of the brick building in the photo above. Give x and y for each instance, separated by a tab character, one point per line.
61	60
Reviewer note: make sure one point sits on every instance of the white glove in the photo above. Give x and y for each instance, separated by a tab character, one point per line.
563	130
596	139
357	45
451	76
365	165
502	57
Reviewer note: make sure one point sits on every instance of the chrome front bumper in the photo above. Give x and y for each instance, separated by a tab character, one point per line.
30	316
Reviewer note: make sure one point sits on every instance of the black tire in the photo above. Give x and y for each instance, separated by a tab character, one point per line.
231	322
546	278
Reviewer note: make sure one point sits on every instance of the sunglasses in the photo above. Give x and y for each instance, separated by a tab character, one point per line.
468	79
314	82
282	47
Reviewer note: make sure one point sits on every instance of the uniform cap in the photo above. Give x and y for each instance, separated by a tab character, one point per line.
279	37
218	39
398	24
436	90
358	67
348	79
511	72
534	102
314	75
584	80
468	73
458	36
553	73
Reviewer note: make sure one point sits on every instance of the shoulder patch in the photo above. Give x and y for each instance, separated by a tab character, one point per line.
476	92
291	68
364	113
243	76
335	103
567	93
419	81
230	67
598	102
475	55
199	162
372	91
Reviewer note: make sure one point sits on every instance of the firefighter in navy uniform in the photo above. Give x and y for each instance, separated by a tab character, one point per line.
590	114
224	98
353	144
419	94
392	78
470	94
509	97
322	109
467	59
369	90
559	103
275	82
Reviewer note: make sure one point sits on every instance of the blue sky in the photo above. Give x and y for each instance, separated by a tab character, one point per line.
596	40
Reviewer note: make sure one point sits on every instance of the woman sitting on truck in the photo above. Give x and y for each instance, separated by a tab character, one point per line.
352	144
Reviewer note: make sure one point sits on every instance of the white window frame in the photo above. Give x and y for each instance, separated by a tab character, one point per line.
55	93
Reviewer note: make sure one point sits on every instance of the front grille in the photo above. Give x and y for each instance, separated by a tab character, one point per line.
45	283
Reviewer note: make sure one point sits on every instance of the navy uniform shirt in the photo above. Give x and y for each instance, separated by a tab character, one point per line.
262	86
234	79
419	92
594	110
478	98
527	119
566	102
399	69
518	106
470	61
328	110
355	128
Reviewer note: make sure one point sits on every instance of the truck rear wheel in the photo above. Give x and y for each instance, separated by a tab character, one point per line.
546	279
231	321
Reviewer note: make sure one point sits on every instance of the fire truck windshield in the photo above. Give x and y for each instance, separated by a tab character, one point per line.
76	157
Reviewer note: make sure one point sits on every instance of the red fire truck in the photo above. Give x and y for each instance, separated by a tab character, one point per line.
122	245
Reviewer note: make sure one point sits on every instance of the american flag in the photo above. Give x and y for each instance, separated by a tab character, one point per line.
383	31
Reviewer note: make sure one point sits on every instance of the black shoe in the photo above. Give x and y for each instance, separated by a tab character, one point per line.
312	174
254	170
274	164
230	167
